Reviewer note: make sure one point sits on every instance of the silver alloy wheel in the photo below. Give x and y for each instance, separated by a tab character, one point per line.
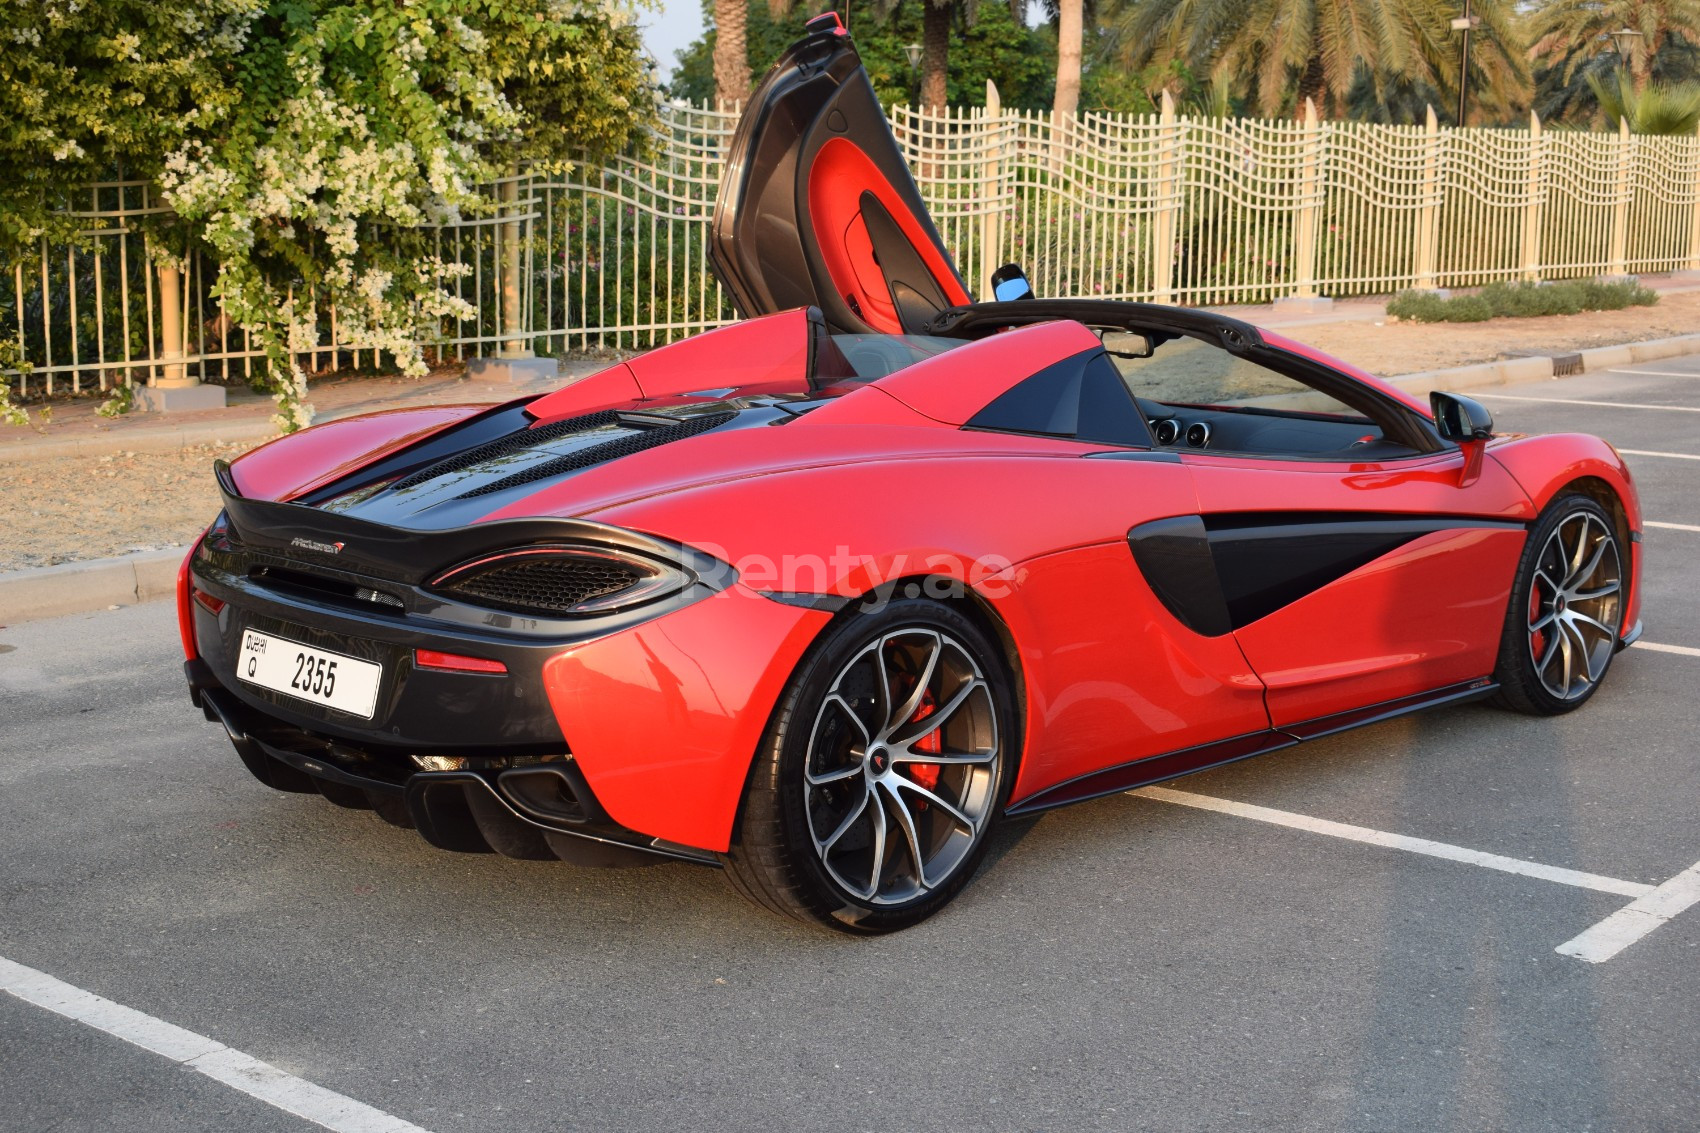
903	766
1575	606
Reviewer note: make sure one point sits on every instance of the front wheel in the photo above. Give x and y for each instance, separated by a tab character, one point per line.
1566	610
883	772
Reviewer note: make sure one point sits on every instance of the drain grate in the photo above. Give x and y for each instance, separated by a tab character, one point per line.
1566	365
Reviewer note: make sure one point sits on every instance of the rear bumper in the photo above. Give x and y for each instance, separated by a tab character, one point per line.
530	806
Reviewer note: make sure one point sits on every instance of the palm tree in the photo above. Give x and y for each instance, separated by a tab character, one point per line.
731	66
1571	34
1655	109
935	47
1566	94
1070	18
1071	31
1277	53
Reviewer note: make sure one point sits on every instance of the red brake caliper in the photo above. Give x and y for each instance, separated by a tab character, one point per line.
926	774
1538	644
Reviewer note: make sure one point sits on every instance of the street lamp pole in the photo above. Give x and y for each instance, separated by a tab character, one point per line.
1464	25
1624	40
913	51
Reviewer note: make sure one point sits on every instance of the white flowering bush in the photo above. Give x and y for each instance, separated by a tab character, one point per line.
94	89
314	142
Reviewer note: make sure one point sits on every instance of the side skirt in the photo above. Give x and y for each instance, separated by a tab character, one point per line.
1174	764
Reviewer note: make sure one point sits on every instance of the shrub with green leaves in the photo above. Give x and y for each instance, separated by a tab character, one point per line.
1521	300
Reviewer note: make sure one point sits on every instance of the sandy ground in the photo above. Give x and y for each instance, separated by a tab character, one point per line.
66	508
63	509
1407	348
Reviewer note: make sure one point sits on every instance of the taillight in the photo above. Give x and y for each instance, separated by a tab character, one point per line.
455	662
562	581
207	602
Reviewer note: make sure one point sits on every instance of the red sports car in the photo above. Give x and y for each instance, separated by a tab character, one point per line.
821	597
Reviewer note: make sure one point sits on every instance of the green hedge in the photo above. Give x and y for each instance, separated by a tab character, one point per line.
1521	301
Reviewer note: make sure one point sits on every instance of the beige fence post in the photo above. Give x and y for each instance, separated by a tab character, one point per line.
1694	231
173	374
1620	210
175	388
1536	203
1167	202
513	314
1310	204
991	192
1428	218
1308	208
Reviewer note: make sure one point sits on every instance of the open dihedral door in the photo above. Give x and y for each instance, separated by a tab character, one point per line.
817	207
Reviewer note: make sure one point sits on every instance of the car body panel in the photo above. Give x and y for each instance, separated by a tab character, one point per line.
664	740
768	354
1548	465
1424	616
951	387
296	464
1114	679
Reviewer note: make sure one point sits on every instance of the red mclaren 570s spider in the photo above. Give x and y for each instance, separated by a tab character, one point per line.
822	596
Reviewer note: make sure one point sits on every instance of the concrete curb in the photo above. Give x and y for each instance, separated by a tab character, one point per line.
1509	371
82	587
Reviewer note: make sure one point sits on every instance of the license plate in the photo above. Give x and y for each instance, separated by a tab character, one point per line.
304	672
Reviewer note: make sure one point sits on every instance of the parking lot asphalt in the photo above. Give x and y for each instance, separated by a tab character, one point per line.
1125	964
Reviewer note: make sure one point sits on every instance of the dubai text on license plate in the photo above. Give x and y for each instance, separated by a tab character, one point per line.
317	676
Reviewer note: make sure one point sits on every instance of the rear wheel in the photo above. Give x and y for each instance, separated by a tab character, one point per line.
882	774
1566	610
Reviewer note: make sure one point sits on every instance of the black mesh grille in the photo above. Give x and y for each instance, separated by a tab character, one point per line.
608	450
502	446
546	584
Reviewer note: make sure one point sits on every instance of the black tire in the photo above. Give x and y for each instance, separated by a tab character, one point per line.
823	750
1566	613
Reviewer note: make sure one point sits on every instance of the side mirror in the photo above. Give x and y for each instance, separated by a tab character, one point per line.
1010	283
1460	419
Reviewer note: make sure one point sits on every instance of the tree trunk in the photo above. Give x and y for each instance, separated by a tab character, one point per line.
1070	30
731	62
935	53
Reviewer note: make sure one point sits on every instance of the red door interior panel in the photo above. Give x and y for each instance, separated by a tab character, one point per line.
867	233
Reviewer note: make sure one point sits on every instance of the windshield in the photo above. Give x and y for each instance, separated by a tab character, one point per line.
1185	371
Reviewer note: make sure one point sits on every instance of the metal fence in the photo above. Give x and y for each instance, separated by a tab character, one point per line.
1158	207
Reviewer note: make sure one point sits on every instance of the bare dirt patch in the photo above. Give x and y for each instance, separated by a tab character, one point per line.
1408	348
62	509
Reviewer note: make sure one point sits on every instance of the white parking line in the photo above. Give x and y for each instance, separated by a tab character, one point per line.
1660	373
1397	841
1671	526
1669	455
1636	919
208	1056
1601	404
1682	650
